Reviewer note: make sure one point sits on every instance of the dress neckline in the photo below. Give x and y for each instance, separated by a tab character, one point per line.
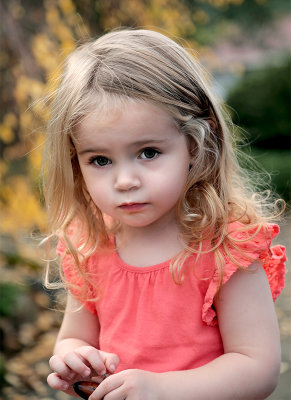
131	268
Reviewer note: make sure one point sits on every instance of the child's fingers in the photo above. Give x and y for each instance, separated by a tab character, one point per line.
84	361
111	361
75	363
56	382
57	364
94	358
113	385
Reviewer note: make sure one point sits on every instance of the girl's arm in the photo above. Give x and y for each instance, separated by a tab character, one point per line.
249	369
76	355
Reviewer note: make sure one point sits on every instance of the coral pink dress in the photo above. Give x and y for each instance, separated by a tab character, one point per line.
153	323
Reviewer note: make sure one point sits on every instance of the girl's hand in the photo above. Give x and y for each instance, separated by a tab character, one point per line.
85	362
131	384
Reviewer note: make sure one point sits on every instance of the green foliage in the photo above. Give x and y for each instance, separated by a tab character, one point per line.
261	102
224	16
14	259
253	14
278	165
8	298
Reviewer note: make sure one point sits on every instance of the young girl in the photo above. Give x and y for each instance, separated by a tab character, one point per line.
165	250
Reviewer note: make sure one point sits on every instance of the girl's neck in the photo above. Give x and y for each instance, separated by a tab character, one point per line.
151	245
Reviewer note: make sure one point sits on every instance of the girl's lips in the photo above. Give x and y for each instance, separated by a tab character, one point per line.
132	206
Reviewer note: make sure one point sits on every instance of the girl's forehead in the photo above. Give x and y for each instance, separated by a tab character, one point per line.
109	114
101	111
101	117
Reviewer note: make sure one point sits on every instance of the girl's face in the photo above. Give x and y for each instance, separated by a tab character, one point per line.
134	162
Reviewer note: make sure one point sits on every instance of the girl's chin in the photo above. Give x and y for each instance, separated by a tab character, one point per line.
135	222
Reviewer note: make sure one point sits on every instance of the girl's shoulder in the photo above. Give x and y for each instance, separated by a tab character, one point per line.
253	235
243	245
79	264
74	245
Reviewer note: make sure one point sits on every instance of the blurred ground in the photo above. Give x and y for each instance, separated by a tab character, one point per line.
28	339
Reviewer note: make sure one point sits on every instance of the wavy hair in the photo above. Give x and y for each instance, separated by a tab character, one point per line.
144	65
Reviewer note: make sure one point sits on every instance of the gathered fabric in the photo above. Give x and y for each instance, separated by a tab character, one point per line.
155	324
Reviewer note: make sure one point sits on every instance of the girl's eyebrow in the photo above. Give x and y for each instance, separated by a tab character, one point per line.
134	144
144	142
95	150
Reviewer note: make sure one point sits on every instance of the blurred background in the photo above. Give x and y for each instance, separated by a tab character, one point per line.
246	45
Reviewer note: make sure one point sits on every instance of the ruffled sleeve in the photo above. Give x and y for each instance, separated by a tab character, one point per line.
76	283
250	246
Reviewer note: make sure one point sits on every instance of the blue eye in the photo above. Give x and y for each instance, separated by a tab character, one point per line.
100	161
149	153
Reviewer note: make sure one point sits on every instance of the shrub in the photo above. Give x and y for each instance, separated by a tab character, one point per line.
260	106
261	102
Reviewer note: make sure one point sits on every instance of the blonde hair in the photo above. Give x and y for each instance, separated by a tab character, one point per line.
144	65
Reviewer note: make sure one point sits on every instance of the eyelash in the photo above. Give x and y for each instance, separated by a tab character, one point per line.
93	159
157	152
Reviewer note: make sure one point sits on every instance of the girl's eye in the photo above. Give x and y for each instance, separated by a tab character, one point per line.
149	153
100	161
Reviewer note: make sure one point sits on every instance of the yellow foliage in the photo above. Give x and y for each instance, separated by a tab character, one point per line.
168	16
66	38
3	169
58	26
200	17
172	17
25	120
77	24
21	209
11	120
67	7
28	89
45	52
6	134
52	13
6	128
36	88
35	155
68	46
137	8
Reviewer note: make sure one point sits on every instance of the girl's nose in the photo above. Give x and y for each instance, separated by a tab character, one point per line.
126	179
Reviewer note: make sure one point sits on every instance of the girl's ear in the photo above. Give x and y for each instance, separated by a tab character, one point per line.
73	152
192	150
191	162
212	124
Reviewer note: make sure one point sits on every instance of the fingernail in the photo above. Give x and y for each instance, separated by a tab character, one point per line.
103	372
112	368
86	373
65	386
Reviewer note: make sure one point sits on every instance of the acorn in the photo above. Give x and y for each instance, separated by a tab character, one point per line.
84	388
